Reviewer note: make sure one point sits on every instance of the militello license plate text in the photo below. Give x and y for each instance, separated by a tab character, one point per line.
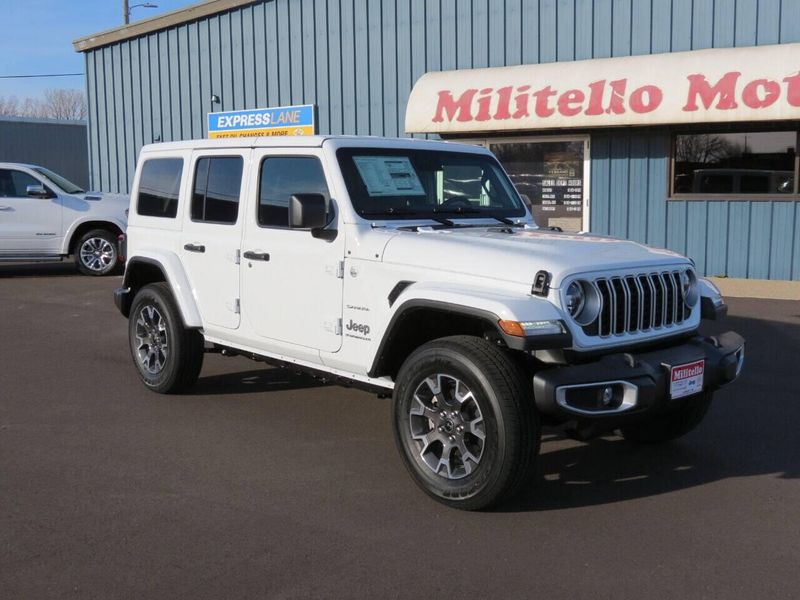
687	379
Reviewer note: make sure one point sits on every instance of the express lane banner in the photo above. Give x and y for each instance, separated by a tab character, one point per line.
279	121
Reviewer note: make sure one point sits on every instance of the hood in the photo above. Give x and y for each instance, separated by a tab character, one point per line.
104	197
517	256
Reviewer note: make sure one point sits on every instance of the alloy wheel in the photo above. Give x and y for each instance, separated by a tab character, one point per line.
447	426
152	343
97	254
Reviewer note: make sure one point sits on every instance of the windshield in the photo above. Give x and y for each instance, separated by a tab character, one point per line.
58	180
399	183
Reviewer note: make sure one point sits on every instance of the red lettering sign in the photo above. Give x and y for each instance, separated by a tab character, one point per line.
604	97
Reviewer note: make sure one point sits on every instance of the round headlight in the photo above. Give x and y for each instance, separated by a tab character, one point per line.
582	301
575	298
689	287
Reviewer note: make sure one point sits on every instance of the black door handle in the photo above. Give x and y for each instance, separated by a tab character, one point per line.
194	248
250	255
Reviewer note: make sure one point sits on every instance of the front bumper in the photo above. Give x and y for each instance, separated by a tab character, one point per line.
635	383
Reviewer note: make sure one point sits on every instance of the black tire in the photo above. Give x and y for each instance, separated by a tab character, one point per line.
503	396
167	355
96	253
670	426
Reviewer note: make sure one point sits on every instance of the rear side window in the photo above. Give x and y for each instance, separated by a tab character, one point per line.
281	178
159	187
217	183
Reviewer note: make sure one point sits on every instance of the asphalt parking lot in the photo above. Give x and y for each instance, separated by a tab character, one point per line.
264	484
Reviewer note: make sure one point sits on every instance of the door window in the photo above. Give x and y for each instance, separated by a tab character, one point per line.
14	184
159	187
549	175
282	177
217	183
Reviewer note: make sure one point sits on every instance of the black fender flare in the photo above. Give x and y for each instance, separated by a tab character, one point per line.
491	320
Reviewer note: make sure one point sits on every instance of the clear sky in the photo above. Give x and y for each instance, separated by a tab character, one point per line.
37	38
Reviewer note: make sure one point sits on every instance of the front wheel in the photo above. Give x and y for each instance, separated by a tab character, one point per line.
167	355
664	428
96	252
464	422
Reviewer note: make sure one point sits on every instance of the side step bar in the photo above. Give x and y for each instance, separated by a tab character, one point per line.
37	258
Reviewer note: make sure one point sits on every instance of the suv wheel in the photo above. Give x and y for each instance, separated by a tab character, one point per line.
96	252
670	426
167	355
464	422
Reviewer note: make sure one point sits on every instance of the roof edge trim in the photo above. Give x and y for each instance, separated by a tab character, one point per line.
163	21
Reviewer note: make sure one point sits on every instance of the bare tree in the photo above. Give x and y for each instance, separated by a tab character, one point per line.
64	104
57	104
705	148
9	106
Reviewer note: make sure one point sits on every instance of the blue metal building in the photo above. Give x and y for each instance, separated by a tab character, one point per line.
734	210
58	145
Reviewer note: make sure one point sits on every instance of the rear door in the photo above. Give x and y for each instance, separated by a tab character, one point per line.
28	226
292	286
212	232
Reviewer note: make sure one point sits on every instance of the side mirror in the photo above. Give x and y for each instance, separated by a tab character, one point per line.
308	211
37	191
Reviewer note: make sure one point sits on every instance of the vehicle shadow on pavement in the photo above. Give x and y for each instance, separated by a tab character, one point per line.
751	430
255	381
65	268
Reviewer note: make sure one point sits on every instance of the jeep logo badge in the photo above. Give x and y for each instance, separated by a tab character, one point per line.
357	327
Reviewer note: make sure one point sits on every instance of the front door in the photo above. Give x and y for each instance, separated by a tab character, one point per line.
212	234
28	226
291	279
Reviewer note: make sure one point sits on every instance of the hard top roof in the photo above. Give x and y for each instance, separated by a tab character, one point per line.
310	141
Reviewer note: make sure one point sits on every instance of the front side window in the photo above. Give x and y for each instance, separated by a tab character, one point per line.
410	184
217	183
159	187
741	163
14	184
282	177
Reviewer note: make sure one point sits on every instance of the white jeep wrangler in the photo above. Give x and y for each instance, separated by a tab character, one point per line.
413	268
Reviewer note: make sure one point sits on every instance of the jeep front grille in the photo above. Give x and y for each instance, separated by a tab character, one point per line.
634	303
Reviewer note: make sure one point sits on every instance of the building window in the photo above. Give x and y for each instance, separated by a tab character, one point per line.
727	165
217	184
281	178
159	187
549	175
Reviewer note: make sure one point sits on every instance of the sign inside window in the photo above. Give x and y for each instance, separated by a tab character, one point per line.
389	176
549	176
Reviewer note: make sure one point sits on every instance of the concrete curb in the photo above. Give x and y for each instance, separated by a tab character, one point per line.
758	288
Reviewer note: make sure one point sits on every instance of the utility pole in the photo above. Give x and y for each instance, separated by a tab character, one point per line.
127	8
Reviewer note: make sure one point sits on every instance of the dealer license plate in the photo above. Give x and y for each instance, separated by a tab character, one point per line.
687	379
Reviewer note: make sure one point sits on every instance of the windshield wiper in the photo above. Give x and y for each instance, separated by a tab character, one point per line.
464	210
390	212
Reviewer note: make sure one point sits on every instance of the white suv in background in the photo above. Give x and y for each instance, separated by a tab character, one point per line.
43	216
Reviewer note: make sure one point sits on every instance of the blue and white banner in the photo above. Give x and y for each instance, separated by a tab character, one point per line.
283	120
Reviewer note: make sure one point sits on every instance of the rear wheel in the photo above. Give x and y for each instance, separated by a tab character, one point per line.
664	428
96	252
464	422
167	355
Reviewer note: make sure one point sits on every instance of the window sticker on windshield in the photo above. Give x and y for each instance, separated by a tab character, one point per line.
389	175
